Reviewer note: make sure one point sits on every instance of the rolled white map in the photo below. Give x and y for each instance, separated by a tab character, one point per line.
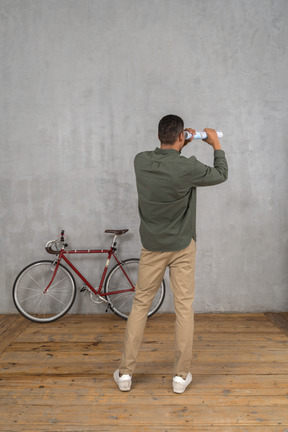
200	135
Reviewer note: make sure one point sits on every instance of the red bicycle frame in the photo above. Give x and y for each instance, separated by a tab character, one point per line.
110	252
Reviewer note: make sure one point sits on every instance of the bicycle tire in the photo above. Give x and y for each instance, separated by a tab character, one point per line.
35	304
121	303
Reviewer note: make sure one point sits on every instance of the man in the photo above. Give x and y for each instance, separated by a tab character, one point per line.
166	184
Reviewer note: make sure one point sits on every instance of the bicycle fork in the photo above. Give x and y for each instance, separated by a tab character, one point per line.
56	265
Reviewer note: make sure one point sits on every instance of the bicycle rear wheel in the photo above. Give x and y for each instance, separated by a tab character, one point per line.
121	302
29	294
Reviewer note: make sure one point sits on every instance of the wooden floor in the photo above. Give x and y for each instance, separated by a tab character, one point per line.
58	376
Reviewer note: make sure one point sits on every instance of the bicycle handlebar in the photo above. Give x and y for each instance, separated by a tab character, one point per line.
49	247
54	246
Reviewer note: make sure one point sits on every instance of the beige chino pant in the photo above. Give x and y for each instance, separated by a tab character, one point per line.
151	271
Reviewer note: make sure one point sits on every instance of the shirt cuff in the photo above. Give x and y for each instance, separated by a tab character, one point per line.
219	153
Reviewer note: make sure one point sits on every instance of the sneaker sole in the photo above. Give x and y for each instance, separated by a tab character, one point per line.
179	388
125	386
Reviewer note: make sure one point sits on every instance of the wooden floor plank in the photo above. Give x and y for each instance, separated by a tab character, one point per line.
89	336
154	428
138	415
147	354
211	385
279	320
11	326
167	399
199	345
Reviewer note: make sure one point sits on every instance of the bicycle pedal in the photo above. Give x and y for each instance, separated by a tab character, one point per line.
83	289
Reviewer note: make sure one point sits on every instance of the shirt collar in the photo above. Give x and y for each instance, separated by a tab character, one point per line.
166	151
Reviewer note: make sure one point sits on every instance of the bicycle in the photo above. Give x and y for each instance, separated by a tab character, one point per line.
45	290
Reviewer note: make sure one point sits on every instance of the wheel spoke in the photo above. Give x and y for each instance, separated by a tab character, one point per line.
53	285
31	289
34	280
40	301
55	298
123	303
28	298
59	290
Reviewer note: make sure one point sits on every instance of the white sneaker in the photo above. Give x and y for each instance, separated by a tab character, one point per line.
124	382
179	384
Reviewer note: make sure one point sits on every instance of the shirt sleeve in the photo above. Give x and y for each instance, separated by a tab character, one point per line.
204	175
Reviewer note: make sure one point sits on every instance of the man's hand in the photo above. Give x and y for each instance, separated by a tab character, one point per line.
212	138
191	131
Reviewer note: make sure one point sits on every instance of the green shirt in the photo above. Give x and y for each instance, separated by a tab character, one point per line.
166	184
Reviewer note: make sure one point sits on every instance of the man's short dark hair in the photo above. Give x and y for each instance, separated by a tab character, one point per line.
169	129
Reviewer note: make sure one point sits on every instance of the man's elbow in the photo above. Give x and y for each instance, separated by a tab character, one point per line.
223	175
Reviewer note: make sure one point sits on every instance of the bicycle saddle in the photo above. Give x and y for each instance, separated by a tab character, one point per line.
116	232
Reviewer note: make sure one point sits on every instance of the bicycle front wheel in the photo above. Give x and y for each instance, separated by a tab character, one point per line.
116	282
36	304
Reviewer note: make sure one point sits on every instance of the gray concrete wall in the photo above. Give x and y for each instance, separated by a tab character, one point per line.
83	86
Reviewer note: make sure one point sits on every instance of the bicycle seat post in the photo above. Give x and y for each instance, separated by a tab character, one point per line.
114	242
